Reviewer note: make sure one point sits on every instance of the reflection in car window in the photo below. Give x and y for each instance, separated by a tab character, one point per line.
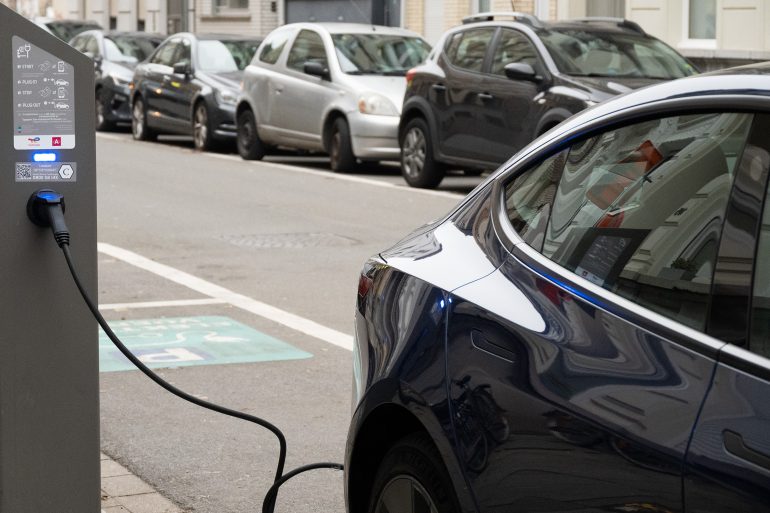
639	210
165	55
467	49
759	341
590	53
273	46
224	56
92	47
308	47
379	54
128	49
184	53
512	47
528	199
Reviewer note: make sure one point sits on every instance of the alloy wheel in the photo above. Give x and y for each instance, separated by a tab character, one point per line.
414	152
334	153
404	494
138	119
99	110
201	127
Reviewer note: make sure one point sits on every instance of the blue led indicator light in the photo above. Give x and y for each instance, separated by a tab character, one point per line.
44	157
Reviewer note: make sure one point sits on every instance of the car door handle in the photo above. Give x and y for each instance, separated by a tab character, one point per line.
279	89
485	96
482	343
438	87
737	447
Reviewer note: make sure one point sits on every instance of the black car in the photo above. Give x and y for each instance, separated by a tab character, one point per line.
115	56
66	29
589	330
491	86
190	86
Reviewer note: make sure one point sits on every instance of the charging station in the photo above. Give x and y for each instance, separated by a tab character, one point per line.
49	374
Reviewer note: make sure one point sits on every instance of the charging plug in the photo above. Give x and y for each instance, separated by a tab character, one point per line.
46	208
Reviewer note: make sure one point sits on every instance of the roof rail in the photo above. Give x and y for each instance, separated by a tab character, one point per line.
522	17
620	22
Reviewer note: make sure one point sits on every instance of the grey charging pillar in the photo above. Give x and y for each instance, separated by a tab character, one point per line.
49	381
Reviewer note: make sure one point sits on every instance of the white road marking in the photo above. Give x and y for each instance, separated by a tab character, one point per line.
162	304
246	303
313	172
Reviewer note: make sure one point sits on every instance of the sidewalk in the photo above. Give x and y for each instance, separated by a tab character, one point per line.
123	492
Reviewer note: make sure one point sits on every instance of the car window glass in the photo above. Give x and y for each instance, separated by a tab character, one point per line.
759	340
183	52
378	54
308	47
78	43
639	210
528	199
273	46
127	48
165	55
467	49
92	47
512	47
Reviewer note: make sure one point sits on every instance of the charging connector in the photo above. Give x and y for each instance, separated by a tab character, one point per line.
46	208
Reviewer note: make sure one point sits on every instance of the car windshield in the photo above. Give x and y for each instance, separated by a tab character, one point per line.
128	49
67	30
379	54
603	54
223	56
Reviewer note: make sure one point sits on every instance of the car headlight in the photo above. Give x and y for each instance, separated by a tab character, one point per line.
374	103
120	80
225	97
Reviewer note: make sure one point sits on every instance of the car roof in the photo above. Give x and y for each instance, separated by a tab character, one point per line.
356	28
217	37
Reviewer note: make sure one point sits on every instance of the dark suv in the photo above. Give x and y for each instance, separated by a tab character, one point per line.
491	85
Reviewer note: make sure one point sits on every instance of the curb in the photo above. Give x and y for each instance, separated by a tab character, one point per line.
123	492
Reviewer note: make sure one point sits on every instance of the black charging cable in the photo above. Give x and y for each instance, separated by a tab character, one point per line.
46	208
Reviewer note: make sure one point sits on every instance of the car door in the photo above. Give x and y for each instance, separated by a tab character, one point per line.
508	108
301	99
728	464
180	89
456	100
154	77
577	369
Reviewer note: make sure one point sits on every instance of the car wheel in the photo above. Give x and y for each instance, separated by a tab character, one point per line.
102	124
250	146
202	133
139	128
340	150
412	479
418	165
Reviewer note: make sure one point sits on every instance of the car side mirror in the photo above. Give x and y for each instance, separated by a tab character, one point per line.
316	69
521	71
183	68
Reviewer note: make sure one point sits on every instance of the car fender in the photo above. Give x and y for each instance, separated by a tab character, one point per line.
419	106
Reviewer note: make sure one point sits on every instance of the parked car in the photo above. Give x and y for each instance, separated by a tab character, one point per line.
499	80
115	56
66	29
333	87
189	85
589	330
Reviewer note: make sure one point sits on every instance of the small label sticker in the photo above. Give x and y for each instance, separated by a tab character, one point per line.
46	172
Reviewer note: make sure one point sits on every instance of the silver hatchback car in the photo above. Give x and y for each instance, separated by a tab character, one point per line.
333	87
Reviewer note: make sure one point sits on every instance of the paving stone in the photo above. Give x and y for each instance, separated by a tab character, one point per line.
120	486
149	503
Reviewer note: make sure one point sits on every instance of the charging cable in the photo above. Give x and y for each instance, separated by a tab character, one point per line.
46	208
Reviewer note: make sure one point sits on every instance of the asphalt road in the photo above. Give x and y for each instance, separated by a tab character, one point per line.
275	247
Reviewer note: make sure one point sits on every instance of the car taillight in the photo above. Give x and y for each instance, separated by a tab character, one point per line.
364	285
410	76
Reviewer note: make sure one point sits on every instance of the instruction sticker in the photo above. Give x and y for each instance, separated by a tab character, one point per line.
46	171
43	99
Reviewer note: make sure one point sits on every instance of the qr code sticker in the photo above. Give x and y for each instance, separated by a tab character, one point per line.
23	171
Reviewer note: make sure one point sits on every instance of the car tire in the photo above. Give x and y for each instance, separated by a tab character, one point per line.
412	478
139	128
341	156
102	123
418	166
203	136
250	146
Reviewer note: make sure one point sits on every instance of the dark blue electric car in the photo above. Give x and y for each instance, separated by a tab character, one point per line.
589	331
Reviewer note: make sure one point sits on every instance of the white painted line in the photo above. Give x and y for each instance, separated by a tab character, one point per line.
162	304
246	303
112	137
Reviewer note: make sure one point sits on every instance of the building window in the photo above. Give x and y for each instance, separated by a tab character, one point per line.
702	19
225	6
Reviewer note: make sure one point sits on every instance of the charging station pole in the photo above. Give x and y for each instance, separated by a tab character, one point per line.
49	367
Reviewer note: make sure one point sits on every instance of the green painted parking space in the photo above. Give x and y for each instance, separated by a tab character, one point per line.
188	341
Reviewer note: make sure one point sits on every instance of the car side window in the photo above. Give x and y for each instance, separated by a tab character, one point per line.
512	47
79	44
467	49
529	196
273	46
92	47
183	53
166	53
639	210
759	339
308	47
